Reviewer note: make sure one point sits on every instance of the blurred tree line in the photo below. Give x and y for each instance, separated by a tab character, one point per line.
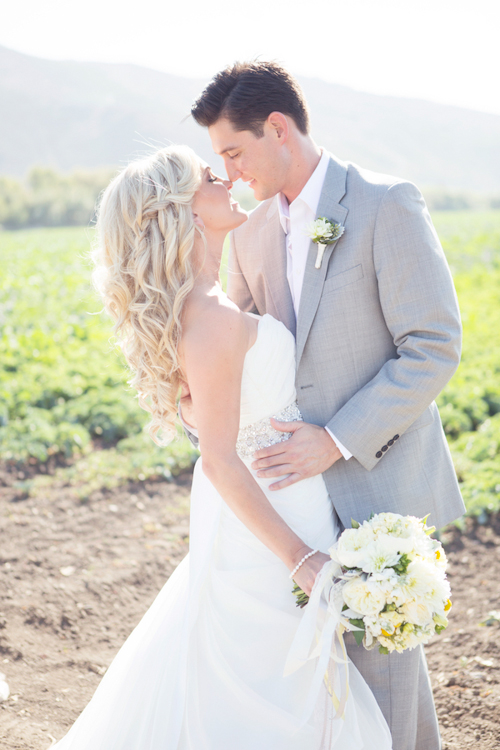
47	198
441	199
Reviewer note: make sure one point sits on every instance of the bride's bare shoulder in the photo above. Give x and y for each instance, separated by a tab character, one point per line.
212	326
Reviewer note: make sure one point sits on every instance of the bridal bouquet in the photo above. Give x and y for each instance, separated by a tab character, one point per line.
394	591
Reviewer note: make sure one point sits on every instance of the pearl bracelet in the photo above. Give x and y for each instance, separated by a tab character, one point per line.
306	557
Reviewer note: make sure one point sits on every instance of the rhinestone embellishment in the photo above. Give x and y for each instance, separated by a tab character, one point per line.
261	434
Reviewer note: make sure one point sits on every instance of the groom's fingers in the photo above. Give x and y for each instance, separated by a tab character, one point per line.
277	459
277	470
286	426
267	456
286	482
308	452
263	455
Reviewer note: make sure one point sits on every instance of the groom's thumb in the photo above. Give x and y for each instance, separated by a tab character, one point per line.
285	426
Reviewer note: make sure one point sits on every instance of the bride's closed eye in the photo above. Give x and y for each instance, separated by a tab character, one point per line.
213	178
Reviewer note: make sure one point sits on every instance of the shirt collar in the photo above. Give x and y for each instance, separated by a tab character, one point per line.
310	193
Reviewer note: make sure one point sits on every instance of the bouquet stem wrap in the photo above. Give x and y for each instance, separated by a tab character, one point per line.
320	636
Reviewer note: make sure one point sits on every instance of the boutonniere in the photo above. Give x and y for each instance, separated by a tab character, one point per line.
323	232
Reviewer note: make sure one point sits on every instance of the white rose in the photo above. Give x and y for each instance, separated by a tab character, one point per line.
351	546
364	597
417	612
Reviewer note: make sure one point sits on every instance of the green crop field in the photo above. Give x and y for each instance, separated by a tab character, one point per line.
64	399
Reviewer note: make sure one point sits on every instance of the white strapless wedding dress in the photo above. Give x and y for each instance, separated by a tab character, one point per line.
204	669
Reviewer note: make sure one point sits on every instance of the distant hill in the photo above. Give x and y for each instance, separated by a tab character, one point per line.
73	114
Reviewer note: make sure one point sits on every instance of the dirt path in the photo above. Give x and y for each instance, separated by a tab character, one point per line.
75	579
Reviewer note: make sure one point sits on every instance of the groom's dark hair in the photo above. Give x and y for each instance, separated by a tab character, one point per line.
247	92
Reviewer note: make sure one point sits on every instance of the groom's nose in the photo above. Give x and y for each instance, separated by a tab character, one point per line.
232	173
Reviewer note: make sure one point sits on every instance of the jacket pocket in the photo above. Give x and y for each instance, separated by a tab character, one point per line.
343	279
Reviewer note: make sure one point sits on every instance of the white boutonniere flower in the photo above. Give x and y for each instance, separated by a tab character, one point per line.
323	232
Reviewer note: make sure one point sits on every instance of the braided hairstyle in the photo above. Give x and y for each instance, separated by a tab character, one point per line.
143	271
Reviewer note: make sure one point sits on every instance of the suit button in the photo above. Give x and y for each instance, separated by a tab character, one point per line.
378	454
390	442
385	448
396	437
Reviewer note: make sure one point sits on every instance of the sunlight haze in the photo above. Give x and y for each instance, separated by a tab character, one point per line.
440	50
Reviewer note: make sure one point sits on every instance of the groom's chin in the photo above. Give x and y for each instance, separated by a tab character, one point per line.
261	193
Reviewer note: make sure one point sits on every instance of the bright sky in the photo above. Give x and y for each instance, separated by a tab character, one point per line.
442	50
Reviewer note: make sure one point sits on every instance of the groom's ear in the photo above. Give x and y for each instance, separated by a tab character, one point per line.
279	125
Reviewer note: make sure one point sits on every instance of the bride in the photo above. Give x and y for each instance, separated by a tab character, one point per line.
211	666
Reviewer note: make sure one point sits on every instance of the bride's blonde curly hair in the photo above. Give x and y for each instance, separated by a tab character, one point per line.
143	270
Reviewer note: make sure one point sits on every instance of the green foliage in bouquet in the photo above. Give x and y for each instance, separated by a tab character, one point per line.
300	596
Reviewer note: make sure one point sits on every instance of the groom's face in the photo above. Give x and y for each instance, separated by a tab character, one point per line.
260	162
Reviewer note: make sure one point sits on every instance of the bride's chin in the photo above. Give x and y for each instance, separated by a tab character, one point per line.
241	216
237	219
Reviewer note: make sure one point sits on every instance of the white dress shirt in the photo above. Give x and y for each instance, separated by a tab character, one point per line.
294	218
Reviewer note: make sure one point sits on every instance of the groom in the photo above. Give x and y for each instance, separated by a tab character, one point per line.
377	328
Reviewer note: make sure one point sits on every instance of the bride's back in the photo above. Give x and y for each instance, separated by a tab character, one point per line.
266	352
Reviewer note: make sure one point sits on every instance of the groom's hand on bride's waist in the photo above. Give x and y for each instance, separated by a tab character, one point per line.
309	451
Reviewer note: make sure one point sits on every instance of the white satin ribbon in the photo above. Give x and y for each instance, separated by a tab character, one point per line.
319	636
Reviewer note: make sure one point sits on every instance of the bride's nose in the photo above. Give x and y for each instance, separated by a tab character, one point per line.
227	184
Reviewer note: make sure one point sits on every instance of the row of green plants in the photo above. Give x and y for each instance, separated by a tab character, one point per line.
470	403
63	383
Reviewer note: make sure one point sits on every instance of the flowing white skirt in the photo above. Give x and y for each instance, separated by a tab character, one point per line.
204	669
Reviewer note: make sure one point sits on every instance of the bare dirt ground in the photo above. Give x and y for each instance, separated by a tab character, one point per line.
75	578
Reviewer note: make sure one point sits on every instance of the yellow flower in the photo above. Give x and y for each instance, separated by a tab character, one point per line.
447	606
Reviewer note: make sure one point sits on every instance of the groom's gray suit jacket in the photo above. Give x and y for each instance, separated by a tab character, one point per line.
378	336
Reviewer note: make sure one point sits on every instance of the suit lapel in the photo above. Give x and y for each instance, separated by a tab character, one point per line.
314	278
273	247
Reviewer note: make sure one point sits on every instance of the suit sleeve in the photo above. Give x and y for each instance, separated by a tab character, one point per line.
237	287
420	308
189	431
